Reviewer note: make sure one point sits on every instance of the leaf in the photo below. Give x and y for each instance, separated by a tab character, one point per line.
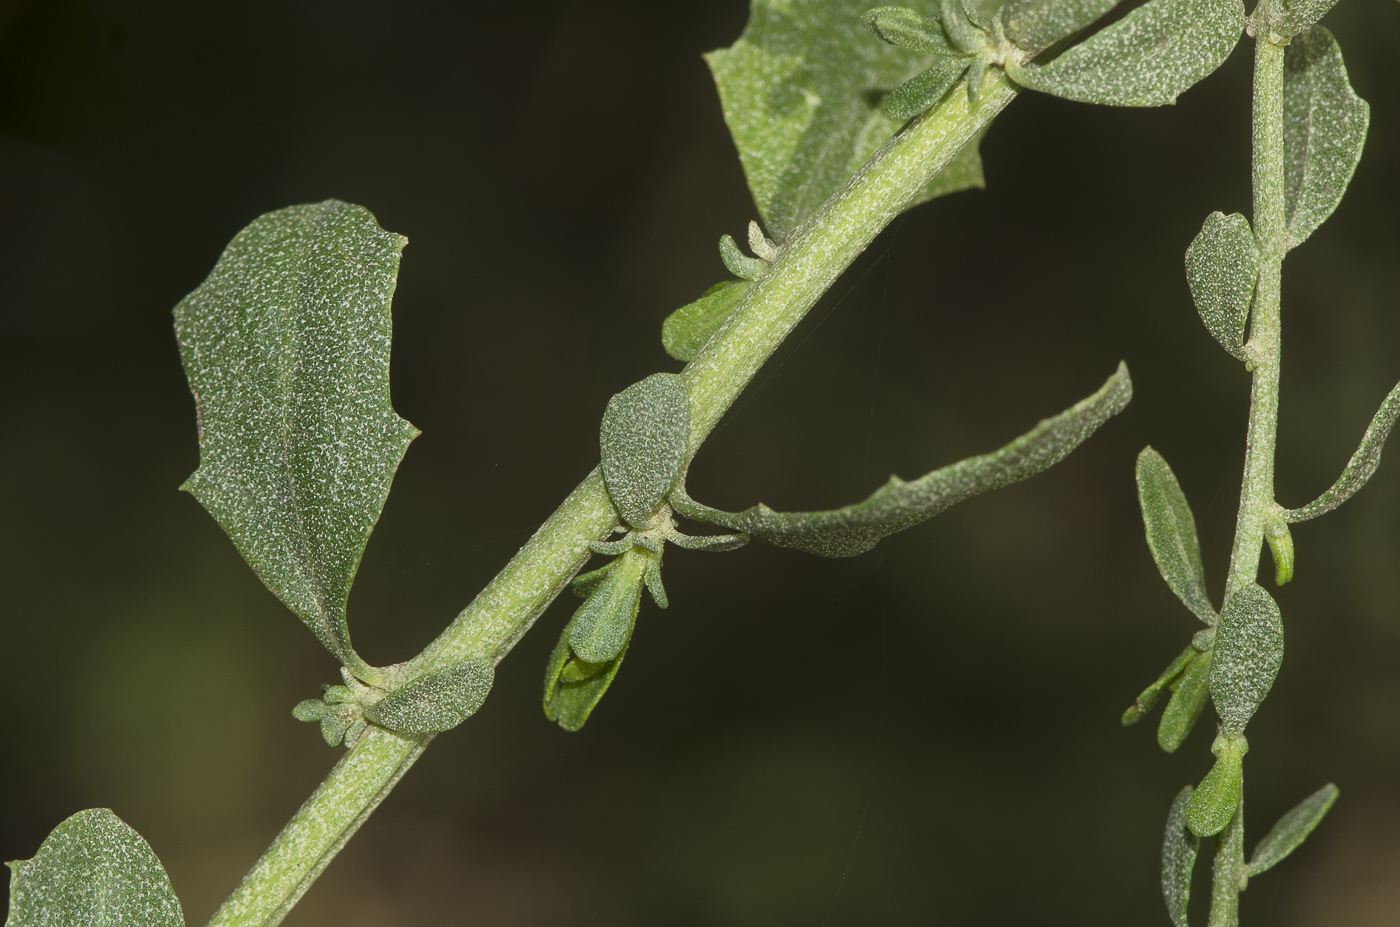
1292	829
437	702
572	689
899	25
914	96
1294	16
1179	849
286	346
1187	702
1171	533
737	262
1149	696
602	625
1037	24
801	92
691	327
1147	58
1222	266
898	505
1248	653
1360	468
1217	798
1324	130
94	870
643	441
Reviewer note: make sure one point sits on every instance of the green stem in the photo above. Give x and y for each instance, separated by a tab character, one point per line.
1229	873
810	261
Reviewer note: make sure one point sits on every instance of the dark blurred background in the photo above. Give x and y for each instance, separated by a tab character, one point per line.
924	734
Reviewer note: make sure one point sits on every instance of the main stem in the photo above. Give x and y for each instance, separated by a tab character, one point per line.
500	615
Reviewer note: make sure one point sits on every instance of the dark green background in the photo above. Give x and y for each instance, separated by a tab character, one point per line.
927	734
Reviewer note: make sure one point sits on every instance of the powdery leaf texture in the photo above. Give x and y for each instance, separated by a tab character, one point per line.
801	92
899	25
1149	696
1324	130
1292	829
1037	24
691	327
1248	653
1222	266
438	702
569	696
1217	798
1147	58
1179	849
1297	15
286	346
602	625
94	870
1187	702
898	505
643	440
914	96
1360	468
1171	533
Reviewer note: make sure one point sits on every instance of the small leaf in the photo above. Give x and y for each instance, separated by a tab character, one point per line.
739	263
94	870
1360	468
908	28
1324	130
437	702
898	505
643	441
1217	798
602	625
1189	694
691	327
286	346
1222	266
1281	546
1147	58
1179	849
1292	829
1037	24
1171	533
1296	15
1248	653
914	96
572	688
1148	698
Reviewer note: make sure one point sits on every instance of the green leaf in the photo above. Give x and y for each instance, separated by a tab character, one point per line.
691	327
898	505
1217	798
1361	466
899	25
1281	546
1037	24
643	440
437	702
573	688
1222	266
1188	700
286	346
1171	533
1149	696
1292	829
1179	849
801	92
602	625
92	871
1293	16
1324	130
1248	653
914	96
1147	58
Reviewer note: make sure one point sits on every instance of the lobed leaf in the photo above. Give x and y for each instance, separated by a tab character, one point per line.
437	702
1147	58
1222	267
1187	702
1324	130
93	870
1179	849
1294	16
1037	24
643	441
1360	468
1217	798
898	505
1292	829
1171	533
286	346
1248	653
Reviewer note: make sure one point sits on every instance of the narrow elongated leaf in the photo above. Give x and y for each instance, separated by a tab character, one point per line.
1171	533
908	28
898	505
1361	466
1222	266
1189	696
1179	849
92	871
1248	653
286	346
1217	798
438	702
1292	829
1149	696
1037	24
914	96
690	327
642	440
1147	58
1324	130
1296	15
801	92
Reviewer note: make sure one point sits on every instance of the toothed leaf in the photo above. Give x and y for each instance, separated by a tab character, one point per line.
643	439
1171	533
438	702
1248	653
1179	849
1292	829
1222	266
1362	465
1037	24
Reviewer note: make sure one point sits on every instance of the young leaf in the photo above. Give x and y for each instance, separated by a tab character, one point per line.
1037	24
1324	129
1296	15
1292	829
1222	266
1217	798
1149	696
602	625
1188	700
917	94
1179	848
899	25
438	702
1171	533
1281	546
739	263
572	688
286	346
1361	466
643	439
1248	653
801	92
898	505
93	870
1147	58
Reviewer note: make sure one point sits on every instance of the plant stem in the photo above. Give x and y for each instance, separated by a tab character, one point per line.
1228	872
810	261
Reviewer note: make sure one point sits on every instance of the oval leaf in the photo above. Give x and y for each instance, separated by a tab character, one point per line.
1171	533
1179	849
1248	653
1294	16
1217	798
643	439
1037	24
1292	829
1324	130
602	625
286	346
908	28
1361	466
94	870
1187	703
438	702
1222	266
691	327
1147	58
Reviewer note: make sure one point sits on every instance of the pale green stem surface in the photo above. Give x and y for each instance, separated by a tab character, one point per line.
810	261
1229	872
